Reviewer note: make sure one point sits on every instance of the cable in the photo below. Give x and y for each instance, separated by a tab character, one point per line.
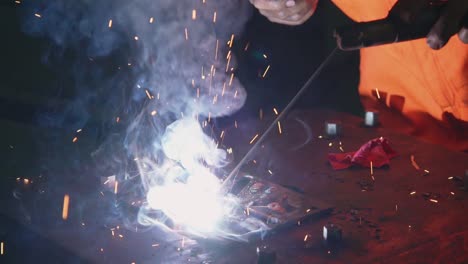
233	174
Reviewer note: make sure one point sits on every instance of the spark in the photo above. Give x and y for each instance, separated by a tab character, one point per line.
276	111
222	134
396	207
79	130
269	171
214	17
194	14
320	136
110	23
230	80
116	187
154	112
75	139
450	178
231	42
136	38
102	250
38	15
452	193
377	92
229	150
228	61
308	210
341	148
247	46
148	94
18	2
155	245
2	248
433	200
224	89
66	203
217	47
413	193
26	181
279	128
151	20
121	236
260	113
254	138
186	34
371	168
306	237
265	56
117	119
413	162
235	123
426	171
266	70
330	144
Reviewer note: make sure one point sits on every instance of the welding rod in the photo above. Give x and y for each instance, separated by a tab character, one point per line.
280	117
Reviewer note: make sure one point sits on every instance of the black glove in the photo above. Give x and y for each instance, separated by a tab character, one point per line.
453	19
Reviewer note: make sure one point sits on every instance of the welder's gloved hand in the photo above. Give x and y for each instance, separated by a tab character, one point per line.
453	19
287	12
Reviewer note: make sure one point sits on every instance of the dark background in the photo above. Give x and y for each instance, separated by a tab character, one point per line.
28	87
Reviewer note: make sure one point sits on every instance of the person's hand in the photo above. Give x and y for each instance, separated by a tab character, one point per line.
453	19
288	12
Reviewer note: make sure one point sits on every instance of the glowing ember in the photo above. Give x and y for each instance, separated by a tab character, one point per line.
66	202
110	23
194	14
266	71
2	248
413	162
253	139
377	93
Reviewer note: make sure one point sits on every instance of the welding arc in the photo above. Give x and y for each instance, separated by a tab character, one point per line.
233	174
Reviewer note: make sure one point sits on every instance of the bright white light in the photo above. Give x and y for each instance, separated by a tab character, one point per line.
187	204
190	193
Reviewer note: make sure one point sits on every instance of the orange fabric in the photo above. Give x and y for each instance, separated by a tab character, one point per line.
422	92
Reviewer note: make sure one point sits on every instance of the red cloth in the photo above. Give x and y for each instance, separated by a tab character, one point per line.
377	150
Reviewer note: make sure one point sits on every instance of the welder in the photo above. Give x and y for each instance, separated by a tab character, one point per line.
418	87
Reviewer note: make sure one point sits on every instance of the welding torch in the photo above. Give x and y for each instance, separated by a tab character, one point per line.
392	29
